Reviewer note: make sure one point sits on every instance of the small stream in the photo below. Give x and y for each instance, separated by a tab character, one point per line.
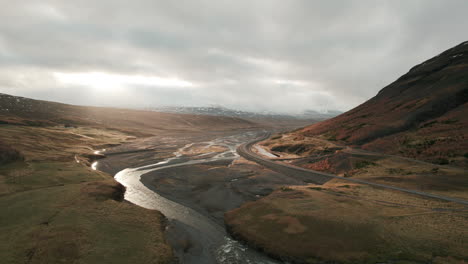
216	245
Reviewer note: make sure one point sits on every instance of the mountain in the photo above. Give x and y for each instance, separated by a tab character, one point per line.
223	111
423	114
216	111
16	110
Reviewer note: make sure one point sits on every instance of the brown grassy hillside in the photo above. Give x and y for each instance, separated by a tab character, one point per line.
24	111
423	114
56	210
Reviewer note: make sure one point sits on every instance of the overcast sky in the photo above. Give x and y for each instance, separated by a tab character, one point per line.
283	56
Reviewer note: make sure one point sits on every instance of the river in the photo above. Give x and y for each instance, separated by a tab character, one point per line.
215	245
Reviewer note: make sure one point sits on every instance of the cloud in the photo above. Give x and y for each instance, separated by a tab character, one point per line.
285	56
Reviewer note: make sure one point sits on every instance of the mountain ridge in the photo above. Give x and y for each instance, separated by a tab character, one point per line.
17	110
420	115
223	111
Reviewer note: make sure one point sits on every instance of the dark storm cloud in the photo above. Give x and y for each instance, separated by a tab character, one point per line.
284	56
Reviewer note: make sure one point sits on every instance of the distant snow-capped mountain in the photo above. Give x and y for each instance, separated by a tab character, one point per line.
223	111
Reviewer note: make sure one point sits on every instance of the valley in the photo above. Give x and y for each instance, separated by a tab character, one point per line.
61	171
234	132
91	184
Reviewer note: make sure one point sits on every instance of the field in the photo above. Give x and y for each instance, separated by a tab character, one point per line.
349	223
55	209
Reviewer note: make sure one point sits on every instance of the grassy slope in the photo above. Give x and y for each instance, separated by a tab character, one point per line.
55	210
421	115
70	215
352	224
24	111
58	143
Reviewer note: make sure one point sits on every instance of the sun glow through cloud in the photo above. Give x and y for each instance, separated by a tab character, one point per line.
106	81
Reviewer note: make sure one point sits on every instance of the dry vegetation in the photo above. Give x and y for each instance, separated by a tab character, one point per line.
59	143
55	210
295	145
23	111
421	115
77	220
352	223
9	154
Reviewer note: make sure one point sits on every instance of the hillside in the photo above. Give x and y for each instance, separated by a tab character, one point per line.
269	119
421	115
24	111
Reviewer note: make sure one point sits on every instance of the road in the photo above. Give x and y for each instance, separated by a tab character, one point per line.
316	177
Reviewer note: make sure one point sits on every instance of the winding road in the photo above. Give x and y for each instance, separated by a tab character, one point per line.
316	177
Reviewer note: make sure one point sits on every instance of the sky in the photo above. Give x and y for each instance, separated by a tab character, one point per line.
275	55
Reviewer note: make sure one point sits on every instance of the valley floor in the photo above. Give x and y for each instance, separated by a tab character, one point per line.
56	209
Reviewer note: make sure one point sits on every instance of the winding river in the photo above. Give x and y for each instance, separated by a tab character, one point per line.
217	245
